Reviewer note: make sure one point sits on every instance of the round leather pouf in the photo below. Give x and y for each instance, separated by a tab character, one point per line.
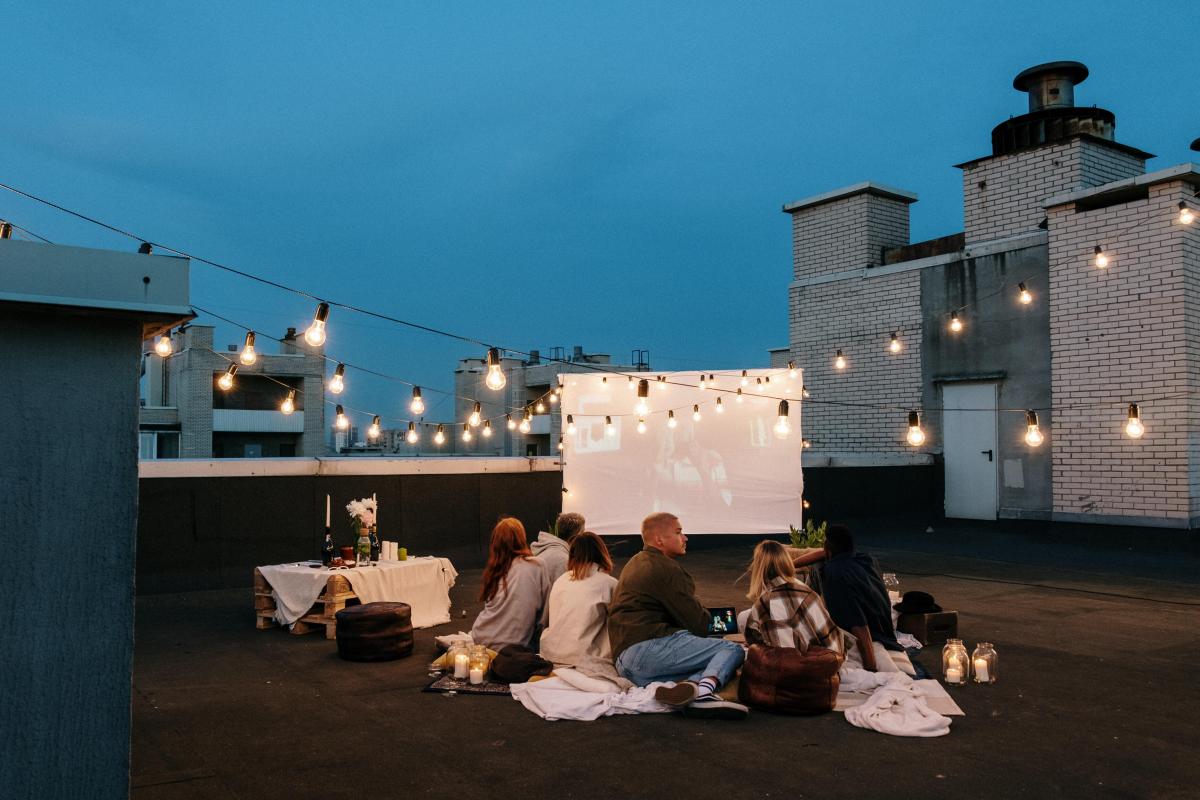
375	632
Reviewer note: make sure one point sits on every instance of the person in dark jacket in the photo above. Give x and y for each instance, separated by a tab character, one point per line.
855	595
657	627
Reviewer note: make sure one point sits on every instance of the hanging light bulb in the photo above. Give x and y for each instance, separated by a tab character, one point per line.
630	383
411	437
554	397
248	356
340	420
315	335
703	382
641	426
792	370
475	417
712	380
671	423
337	383
1186	216
525	426
558	388
440	436
767	380
571	425
1134	427
163	346
739	395
804	392
894	345
806	443
226	379
373	431
487	429
417	406
758	386
609	430
466	434
1023	294
745	379
495	379
289	403
720	406
839	361
696	412
560	442
604	381
662	383
1101	259
540	407
510	422
956	324
1033	436
782	428
642	407
916	436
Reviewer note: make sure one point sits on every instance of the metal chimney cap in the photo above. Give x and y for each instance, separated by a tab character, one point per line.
1072	70
1196	145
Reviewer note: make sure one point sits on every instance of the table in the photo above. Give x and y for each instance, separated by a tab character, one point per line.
305	599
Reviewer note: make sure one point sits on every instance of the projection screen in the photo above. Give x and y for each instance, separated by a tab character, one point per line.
730	472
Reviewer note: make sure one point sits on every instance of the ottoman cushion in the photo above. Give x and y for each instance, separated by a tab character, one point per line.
375	632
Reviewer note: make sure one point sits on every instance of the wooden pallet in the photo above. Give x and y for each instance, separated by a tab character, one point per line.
336	595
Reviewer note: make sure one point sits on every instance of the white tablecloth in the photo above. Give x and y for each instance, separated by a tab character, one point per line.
424	583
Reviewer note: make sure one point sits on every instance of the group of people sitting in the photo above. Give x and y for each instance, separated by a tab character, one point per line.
559	599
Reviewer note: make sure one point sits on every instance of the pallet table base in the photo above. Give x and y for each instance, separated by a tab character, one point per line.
336	595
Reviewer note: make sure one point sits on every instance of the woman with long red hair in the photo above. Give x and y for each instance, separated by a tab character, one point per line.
514	590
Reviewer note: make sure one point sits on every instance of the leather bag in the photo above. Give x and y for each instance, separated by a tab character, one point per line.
784	680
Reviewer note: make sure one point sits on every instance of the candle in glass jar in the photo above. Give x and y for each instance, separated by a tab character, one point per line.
953	675
476	675
981	670
460	665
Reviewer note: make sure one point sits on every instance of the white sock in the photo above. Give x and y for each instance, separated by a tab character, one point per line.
706	687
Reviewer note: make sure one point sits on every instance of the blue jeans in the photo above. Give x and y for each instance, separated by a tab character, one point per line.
680	656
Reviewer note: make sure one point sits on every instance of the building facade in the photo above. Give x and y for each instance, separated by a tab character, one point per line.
975	330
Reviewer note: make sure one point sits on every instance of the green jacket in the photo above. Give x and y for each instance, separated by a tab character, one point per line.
654	598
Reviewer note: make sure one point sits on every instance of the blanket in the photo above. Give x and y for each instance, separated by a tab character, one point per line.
570	694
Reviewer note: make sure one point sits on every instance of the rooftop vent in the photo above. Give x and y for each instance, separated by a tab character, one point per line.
1053	116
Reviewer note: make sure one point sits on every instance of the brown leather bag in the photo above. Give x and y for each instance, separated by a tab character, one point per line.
785	680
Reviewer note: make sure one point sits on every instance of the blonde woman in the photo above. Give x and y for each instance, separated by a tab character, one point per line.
785	612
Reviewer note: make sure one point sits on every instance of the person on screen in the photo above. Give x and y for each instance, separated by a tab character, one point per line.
854	593
514	590
552	548
657	627
785	612
576	632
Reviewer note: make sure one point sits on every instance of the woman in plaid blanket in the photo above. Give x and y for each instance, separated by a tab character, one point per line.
785	612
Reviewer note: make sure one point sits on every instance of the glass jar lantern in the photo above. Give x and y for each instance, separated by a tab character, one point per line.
956	668
478	663
458	661
983	663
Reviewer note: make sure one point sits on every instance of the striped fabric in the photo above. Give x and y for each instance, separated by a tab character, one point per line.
789	614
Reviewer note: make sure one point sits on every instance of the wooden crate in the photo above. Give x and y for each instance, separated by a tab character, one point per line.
336	595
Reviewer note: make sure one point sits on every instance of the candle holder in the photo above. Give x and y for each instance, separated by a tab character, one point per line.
956	667
478	663
983	663
458	660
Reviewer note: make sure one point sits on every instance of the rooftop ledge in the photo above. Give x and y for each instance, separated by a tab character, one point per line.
1186	172
866	187
349	465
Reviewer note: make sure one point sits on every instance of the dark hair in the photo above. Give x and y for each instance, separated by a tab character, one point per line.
568	525
839	539
586	549
508	544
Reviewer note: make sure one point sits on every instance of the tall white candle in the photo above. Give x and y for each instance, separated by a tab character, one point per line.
461	662
981	670
326	511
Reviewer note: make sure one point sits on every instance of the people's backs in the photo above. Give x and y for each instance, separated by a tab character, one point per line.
654	597
578	618
789	614
552	552
855	595
511	616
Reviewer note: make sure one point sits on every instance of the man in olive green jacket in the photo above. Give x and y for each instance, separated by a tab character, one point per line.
658	629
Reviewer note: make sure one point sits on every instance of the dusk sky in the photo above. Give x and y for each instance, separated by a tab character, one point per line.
608	175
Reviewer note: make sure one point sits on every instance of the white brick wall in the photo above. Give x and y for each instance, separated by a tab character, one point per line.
846	233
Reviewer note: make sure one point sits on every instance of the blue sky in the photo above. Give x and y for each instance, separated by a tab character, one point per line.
533	174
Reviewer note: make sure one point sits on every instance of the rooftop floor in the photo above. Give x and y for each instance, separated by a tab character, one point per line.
1096	697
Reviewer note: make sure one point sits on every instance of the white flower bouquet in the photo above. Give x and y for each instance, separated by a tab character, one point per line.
362	512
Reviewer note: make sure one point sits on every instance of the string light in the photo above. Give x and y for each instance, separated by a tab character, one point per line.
631	384
571	424
1186	216
315	335
417	406
524	427
739	395
609	430
512	425
696	412
495	379
289	403
720	406
1134	427
804	391
373	431
1101	259
745	379
337	383
792	370
560	442
440	436
1024	294
487	429
641	426
475	417
916	436
554	397
671	423
163	346
806	443
839	361
782	428
540	407
662	383
1033	436
956	324
248	356
557	390
712	381
226	379
643	391
758	387
340	421
466	434
412	436
703	382
894	345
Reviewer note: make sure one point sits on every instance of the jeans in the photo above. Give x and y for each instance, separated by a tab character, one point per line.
680	656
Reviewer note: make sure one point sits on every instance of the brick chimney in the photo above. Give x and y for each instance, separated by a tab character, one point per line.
847	228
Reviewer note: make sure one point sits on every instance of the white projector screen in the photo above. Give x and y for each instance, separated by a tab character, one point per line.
728	473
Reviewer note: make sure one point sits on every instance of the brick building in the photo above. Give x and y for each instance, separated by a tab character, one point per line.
1091	341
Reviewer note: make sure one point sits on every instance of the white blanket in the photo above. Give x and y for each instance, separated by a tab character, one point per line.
573	695
895	704
423	583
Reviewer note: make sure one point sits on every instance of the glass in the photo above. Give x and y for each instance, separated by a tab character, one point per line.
955	666
458	659
478	663
983	662
362	550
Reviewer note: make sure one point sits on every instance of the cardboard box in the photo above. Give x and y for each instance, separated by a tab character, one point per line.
930	628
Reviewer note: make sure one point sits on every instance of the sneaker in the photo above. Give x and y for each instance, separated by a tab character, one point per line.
715	708
678	695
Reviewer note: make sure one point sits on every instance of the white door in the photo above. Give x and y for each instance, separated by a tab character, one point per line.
969	430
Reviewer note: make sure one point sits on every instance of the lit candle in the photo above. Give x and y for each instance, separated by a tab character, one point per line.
326	511
476	675
981	670
461	662
953	675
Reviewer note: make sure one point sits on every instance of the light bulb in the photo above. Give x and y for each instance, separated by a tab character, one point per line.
720	406
337	383
1134	427
540	407
1023	294
315	335
609	430
475	417
558	389
806	443
631	384
782	428
804	392
340	421
289	403
916	436
226	379
570	424
956	324
560	442
758	387
163	346
894	345
554	397
1101	258
373	431
417	406
495	379
248	356
641	426
512	425
642	407
466	434
703	382
671	423
1186	216
792	370
839	361
662	383
745	379
1033	436
487	429
525	426
696	413
739	395
411	437
440	436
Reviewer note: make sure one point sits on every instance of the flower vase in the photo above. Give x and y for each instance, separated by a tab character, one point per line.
362	547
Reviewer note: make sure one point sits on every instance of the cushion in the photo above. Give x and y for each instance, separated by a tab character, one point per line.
517	664
785	680
375	632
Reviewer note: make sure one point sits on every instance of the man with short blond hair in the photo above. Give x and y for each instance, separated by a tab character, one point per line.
657	627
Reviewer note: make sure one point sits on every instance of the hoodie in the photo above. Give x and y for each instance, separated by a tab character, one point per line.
552	552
